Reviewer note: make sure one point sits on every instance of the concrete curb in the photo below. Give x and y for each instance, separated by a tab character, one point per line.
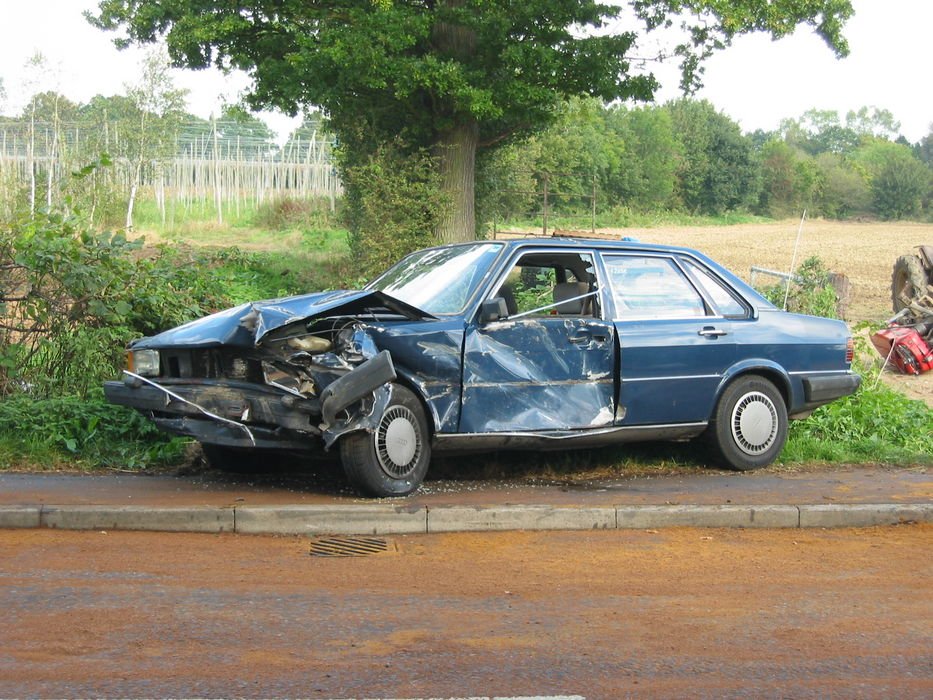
331	520
466	518
19	516
707	516
163	518
383	519
864	515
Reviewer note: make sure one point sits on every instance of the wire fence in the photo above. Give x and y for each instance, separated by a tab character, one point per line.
217	163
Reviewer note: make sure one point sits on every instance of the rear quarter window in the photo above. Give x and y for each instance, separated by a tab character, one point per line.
725	301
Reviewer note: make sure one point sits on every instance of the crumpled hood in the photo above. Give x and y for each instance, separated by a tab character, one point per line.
247	324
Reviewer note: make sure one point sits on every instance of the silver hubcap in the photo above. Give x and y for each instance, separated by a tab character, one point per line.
398	443
754	423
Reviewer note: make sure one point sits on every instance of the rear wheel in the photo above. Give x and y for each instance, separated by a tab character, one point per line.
393	459
908	281
749	427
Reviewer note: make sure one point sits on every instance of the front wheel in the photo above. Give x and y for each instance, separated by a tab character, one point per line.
393	459
749	427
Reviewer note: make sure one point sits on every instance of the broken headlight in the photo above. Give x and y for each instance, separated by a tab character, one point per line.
145	363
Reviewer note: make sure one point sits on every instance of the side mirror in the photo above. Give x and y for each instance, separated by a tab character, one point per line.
492	310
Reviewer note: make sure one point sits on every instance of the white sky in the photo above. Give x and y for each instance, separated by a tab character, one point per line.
757	82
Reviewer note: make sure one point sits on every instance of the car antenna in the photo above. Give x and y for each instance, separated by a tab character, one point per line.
793	260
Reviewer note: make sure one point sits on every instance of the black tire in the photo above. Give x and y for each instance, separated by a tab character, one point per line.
908	281
749	426
237	460
393	459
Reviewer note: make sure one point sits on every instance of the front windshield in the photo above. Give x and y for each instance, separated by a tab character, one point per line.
439	280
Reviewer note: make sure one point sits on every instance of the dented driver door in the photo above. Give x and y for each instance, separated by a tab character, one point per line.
548	367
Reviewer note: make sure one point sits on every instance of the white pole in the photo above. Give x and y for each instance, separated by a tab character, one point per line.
793	260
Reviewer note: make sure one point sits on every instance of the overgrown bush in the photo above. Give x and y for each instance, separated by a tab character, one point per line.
71	298
393	204
811	291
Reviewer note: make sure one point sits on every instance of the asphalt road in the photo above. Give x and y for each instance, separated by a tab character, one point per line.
610	614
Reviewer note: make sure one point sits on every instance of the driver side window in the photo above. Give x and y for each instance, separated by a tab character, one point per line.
557	284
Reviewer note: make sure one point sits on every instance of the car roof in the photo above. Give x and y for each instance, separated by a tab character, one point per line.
582	242
602	244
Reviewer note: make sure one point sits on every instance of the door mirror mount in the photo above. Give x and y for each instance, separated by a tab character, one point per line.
492	310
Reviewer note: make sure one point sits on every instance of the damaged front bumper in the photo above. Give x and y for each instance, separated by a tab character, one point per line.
242	414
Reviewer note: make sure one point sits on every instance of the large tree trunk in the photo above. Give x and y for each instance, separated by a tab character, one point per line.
455	147
456	154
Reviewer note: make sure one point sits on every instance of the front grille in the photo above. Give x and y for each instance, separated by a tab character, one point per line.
210	364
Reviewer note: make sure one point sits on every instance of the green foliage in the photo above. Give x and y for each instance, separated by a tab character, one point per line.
406	69
72	298
925	148
88	430
811	291
320	262
823	131
876	424
718	172
900	186
845	191
646	172
393	205
782	193
506	187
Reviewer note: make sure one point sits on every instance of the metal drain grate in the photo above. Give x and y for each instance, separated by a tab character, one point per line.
348	546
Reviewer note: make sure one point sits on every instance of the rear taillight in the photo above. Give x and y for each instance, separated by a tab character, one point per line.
850	351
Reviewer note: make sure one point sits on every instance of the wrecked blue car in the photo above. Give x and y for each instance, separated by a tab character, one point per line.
526	344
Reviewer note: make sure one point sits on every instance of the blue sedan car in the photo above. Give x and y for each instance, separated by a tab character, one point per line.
526	344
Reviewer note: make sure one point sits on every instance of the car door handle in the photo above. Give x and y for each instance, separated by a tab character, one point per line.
585	335
710	332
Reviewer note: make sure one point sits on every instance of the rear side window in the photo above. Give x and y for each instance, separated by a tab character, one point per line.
723	299
651	287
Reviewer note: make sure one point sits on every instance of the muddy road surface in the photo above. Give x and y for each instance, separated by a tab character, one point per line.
670	613
291	485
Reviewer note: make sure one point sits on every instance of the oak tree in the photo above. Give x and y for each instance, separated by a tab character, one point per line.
451	75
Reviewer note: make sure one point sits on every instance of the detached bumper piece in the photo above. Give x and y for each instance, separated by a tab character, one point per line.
355	386
821	390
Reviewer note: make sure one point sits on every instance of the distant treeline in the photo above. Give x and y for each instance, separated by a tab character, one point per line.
594	161
687	156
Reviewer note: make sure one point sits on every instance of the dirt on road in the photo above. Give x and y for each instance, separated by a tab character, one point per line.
672	613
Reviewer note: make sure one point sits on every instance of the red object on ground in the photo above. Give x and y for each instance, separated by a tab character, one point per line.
905	347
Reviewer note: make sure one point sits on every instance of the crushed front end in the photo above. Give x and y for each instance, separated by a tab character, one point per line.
261	376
